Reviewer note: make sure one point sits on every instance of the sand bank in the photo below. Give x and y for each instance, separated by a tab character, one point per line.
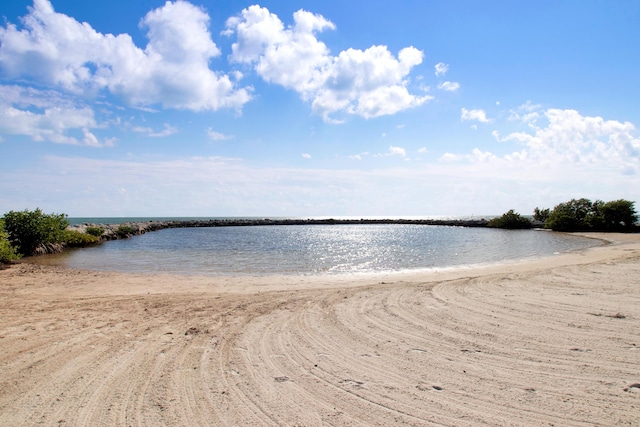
553	341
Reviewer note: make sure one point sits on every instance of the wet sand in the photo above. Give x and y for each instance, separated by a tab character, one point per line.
553	341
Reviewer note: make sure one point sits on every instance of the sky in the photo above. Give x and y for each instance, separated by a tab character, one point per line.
317	107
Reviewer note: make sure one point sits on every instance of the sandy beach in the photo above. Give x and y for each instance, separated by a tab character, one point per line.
547	342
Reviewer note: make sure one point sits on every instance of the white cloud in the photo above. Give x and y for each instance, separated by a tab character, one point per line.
397	151
47	116
449	86
173	70
367	83
478	115
565	151
362	155
167	131
565	155
479	182
91	187
217	136
441	69
567	137
306	155
391	152
527	113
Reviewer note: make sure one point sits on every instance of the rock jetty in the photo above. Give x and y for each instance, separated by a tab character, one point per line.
125	230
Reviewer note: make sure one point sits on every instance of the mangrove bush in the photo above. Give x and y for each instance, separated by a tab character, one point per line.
510	220
7	252
584	215
31	232
95	231
123	231
76	239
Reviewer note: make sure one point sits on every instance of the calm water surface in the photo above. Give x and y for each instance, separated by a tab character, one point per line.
317	249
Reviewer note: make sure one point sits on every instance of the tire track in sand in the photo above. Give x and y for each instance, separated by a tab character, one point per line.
553	346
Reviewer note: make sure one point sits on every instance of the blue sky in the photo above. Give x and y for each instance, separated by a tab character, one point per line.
317	108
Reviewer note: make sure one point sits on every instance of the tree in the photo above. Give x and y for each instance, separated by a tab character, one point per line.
570	216
619	215
510	220
31	231
583	215
7	252
541	215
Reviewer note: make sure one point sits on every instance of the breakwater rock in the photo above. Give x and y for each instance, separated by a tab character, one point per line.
125	230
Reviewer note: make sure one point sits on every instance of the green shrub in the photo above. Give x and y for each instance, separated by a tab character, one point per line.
124	231
541	215
583	215
7	252
617	215
570	216
95	231
76	239
510	220
29	230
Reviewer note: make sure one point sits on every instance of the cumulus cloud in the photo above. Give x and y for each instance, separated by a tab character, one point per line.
565	145
47	116
397	151
441	69
478	115
570	138
172	70
367	83
306	155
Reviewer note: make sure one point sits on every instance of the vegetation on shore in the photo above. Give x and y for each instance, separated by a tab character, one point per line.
576	215
34	232
584	215
511	221
7	252
28	233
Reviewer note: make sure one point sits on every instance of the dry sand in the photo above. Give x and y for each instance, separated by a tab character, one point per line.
554	341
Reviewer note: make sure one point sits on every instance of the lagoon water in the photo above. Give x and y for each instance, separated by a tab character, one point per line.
317	249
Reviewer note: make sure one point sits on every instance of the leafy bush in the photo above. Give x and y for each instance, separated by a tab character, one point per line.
124	231
95	231
510	220
617	215
7	252
29	230
583	215
541	215
570	216
76	239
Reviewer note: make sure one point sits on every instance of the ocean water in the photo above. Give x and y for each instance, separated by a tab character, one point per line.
317	249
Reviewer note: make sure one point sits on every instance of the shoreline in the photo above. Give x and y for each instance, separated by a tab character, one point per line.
536	342
426	261
254	283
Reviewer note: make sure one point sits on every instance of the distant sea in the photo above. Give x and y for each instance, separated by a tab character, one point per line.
314	249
